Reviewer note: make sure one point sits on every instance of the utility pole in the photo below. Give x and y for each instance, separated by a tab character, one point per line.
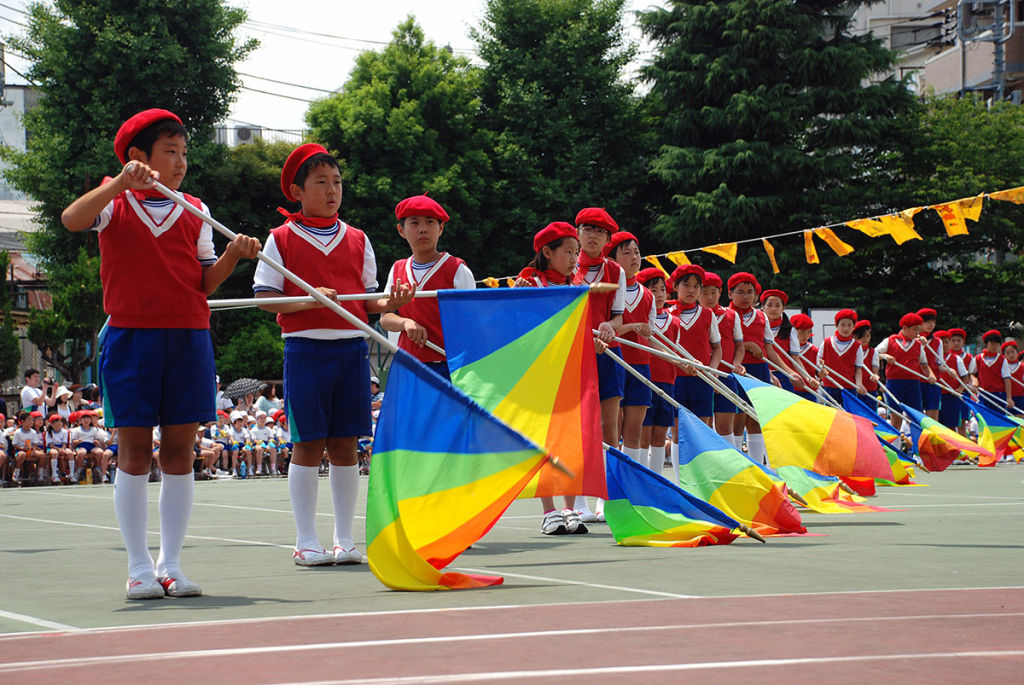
989	21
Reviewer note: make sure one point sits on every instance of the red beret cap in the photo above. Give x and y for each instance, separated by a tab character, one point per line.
596	216
651	273
940	334
958	331
54	417
992	334
771	292
131	128
910	319
927	311
552	232
744	277
861	323
221	412
1010	343
711	278
618	239
420	205
685	270
34	414
74	416
846	314
294	161
801	321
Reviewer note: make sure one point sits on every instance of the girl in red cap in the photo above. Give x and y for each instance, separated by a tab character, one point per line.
806	351
844	356
931	393
952	372
992	372
907	349
57	440
957	339
862	334
773	304
1012	353
731	339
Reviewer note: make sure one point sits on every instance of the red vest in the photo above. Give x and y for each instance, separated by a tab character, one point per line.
1017	372
869	368
639	312
600	303
663	371
909	356
990	372
695	333
425	310
726	319
754	331
340	268
934	345
152	281
809	358
844	364
948	373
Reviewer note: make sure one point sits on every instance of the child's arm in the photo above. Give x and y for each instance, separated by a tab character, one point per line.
390	321
398	297
81	214
242	247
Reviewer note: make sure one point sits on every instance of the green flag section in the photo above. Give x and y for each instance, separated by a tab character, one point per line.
444	470
823	494
798	432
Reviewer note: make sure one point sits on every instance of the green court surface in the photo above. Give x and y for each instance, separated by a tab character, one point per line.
62	563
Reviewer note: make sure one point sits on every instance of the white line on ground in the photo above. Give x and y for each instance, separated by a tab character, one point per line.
562	581
947	506
36	621
41	664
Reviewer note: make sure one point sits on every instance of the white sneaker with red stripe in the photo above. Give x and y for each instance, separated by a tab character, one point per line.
144	587
344	556
179	586
313	557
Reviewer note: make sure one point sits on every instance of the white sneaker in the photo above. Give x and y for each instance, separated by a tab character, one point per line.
553	524
179	586
313	557
573	524
344	556
587	516
144	587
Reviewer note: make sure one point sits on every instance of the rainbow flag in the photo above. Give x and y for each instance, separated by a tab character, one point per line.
902	467
527	356
646	509
883	429
798	432
995	432
718	473
444	470
823	494
937	445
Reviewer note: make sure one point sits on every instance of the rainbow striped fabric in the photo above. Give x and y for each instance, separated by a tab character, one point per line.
937	445
823	494
995	432
527	356
444	471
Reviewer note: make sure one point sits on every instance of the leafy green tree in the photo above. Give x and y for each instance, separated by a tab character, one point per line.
252	348
10	349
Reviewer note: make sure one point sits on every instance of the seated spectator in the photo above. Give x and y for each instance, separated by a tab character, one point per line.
57	442
89	441
25	443
34	398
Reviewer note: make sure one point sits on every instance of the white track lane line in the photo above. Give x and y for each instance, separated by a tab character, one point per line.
36	621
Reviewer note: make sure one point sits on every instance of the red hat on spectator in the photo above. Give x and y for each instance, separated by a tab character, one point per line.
744	277
221	412
958	331
596	216
617	239
420	205
846	314
861	323
927	312
294	161
1009	343
711	278
940	334
910	320
801	322
3	419
684	270
650	274
35	414
55	417
74	416
277	414
771	292
131	128
991	334
552	232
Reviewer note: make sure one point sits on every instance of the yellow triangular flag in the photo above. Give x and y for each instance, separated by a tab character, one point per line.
809	250
491	282
869	227
971	206
833	241
511	283
952	218
655	262
1014	195
771	255
678	258
901	227
726	251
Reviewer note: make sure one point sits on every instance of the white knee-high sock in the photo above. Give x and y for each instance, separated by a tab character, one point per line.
755	445
131	507
176	494
302	487
633	453
675	460
344	490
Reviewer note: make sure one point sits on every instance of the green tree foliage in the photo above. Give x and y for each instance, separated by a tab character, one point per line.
251	347
405	123
767	116
10	350
570	130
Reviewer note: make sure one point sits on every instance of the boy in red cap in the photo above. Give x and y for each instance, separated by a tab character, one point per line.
862	334
806	352
326	359
844	356
952	372
731	340
421	221
957	338
158	265
699	335
931	393
907	349
992	372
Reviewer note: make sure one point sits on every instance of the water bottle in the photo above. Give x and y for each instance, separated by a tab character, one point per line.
243	470
88	475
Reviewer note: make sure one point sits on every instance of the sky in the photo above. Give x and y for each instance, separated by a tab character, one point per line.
308	47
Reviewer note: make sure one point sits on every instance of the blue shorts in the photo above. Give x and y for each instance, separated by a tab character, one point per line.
723	405
696	395
661	412
870	399
950	411
634	392
907	391
784	382
836	394
610	376
808	395
157	377
440	368
87	446
931	396
999	407
327	388
113	449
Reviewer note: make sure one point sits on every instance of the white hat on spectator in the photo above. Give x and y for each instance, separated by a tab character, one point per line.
374	379
237	415
63	391
260	413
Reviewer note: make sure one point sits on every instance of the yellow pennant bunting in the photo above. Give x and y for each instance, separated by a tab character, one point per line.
952	218
770	249
491	282
971	206
726	251
655	262
510	282
809	249
901	226
833	241
869	227
678	258
1014	195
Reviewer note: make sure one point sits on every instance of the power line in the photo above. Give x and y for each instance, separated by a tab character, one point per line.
12	21
264	26
286	83
277	95
19	10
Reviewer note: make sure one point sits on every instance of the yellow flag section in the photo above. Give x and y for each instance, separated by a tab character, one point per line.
444	471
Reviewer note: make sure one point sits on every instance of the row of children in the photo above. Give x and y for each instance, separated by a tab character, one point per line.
245	444
66	450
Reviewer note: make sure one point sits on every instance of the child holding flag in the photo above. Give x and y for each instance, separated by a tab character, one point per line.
731	340
1012	353
952	373
992	372
931	393
862	334
807	352
905	362
844	356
